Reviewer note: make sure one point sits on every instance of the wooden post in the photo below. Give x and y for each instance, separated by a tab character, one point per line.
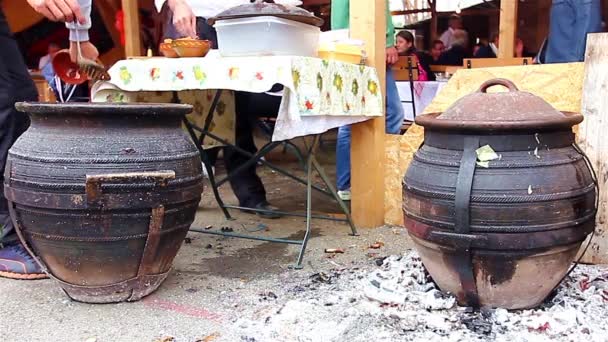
132	32
434	21
591	136
368	23
508	27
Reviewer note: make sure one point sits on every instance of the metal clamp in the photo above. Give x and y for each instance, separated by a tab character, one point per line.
93	182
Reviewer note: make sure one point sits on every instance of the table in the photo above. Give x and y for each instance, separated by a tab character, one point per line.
318	95
424	93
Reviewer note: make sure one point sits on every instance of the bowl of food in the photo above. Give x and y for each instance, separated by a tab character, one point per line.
190	47
167	50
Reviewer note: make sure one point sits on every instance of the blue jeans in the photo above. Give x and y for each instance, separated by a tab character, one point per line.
571	20
394	120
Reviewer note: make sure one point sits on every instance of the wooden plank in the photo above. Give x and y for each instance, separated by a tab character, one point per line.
495	62
411	11
507	27
368	23
558	84
132	31
450	69
591	136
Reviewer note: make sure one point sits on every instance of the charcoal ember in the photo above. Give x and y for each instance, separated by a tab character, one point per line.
476	323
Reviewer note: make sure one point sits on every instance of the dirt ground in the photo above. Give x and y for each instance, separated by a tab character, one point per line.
215	283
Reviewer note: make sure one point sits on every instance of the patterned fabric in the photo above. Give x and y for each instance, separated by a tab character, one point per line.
334	93
317	86
223	119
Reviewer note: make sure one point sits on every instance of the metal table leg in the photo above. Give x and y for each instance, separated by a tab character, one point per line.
198	141
311	162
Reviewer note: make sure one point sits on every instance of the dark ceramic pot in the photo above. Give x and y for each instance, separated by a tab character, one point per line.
104	194
503	232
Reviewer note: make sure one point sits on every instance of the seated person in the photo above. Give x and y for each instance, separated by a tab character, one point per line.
458	52
436	50
405	47
46	59
449	36
521	50
476	48
188	18
488	51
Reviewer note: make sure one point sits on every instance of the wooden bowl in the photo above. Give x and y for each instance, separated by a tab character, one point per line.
167	50
191	47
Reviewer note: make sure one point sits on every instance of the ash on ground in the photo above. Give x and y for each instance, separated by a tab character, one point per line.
397	301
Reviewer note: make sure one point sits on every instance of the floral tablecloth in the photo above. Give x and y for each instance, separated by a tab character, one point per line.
318	95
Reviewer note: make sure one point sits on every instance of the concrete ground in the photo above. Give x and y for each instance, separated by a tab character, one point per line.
215	281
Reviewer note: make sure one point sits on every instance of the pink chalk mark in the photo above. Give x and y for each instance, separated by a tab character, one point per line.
182	309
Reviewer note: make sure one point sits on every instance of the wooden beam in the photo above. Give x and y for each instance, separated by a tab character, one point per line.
507	27
132	30
470	12
434	21
368	23
591	137
411	11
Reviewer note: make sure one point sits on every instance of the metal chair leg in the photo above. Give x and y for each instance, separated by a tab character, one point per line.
308	212
333	191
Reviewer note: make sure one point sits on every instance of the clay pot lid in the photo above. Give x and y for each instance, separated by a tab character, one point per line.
511	110
104	108
260	8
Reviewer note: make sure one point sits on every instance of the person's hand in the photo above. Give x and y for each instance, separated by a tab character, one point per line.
59	10
392	56
519	48
89	51
184	19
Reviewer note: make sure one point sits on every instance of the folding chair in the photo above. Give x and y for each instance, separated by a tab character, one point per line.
406	69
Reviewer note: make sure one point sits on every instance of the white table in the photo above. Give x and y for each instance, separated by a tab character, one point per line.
318	95
424	93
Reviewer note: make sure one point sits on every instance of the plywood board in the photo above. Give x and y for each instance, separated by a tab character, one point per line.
559	84
591	136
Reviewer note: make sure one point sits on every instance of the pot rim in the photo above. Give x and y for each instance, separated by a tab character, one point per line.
430	121
104	108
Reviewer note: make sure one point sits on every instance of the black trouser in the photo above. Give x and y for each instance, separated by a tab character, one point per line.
15	85
246	185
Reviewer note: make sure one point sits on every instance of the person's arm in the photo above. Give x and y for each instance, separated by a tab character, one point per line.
446	39
340	14
184	19
80	31
390	27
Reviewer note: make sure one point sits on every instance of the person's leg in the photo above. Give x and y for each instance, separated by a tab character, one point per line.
394	109
343	159
562	42
15	85
246	184
394	121
588	20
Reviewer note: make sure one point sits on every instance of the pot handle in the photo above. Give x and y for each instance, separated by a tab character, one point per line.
94	182
497	81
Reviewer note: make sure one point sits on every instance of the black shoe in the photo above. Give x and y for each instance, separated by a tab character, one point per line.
265	206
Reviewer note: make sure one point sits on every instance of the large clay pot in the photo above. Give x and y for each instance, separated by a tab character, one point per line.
501	234
104	194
